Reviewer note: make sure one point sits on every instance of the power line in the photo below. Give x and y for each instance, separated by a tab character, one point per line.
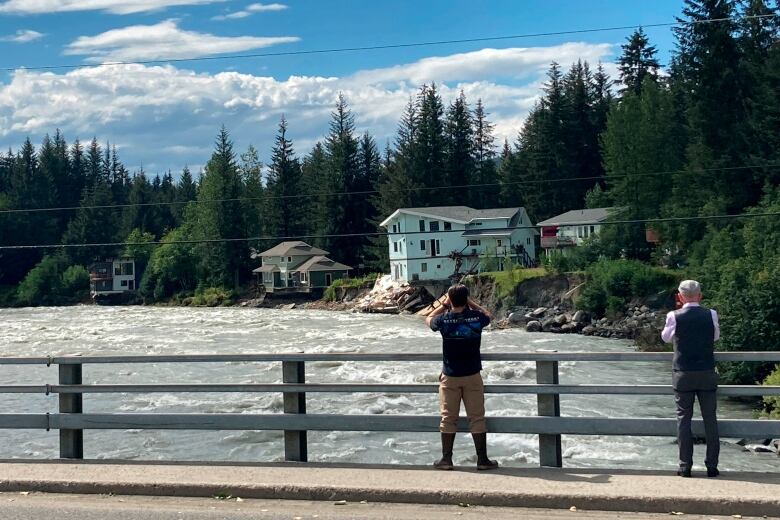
388	234
396	190
393	45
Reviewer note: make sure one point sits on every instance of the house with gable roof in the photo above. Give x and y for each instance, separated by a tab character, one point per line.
297	267
426	243
564	231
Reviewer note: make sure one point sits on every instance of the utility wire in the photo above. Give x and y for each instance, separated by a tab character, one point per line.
393	45
388	234
397	190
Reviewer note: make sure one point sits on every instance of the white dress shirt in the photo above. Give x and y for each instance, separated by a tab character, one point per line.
671	324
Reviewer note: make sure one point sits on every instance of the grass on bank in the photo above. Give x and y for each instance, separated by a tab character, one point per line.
368	280
507	281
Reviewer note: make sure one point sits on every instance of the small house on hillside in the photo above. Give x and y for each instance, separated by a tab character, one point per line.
297	267
113	276
572	228
430	244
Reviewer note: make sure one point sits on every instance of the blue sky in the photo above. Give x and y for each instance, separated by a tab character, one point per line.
166	116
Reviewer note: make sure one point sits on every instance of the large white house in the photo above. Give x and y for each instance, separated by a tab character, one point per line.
426	242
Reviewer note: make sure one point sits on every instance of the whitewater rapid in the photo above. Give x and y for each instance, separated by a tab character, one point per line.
89	330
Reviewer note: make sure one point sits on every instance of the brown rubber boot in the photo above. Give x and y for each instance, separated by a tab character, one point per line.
480	444
445	462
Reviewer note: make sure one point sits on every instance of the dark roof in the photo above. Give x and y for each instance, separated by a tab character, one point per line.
321	263
295	248
580	216
462	213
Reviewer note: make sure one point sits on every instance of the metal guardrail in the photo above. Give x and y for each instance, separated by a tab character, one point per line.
295	422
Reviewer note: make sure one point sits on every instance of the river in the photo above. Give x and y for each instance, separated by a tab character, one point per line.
90	330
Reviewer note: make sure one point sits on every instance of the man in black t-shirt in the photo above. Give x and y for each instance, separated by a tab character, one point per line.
460	321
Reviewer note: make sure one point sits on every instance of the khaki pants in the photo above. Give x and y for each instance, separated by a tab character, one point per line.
471	390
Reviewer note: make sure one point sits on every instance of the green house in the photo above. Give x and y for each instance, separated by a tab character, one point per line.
297	267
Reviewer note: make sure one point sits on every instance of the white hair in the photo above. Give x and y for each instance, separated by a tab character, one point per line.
689	288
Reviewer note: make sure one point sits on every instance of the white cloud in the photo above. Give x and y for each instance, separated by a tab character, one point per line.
164	40
111	6
22	36
250	10
165	117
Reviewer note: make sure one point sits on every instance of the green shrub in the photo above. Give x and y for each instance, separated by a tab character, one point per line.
212	297
614	306
613	283
75	282
557	262
42	284
772	403
593	299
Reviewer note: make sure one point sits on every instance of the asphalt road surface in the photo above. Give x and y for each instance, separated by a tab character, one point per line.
36	506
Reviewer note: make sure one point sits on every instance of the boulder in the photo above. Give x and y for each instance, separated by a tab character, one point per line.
561	319
581	316
533	326
517	319
539	312
590	330
644	309
569	328
288	307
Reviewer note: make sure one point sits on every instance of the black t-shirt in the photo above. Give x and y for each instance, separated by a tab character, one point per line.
461	334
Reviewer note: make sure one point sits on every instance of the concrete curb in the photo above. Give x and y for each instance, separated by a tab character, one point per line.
706	505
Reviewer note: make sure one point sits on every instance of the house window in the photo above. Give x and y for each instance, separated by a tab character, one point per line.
395	228
422	245
123	283
475	242
117	271
303	277
268	277
395	247
448	226
423	267
289	259
528	241
592	229
499	242
434	225
438	248
422	225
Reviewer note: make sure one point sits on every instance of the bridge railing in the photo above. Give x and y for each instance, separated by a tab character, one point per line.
549	425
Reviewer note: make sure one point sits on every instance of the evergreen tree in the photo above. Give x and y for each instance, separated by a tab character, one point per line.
285	212
186	191
640	141
429	155
485	160
637	62
314	175
341	212
219	263
369	167
94	164
93	226
251	170
460	154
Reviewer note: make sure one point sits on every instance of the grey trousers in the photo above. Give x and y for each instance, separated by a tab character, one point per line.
689	386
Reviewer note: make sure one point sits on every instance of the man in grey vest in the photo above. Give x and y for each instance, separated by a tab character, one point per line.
693	330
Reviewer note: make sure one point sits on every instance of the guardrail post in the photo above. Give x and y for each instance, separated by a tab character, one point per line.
71	441
295	448
549	405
